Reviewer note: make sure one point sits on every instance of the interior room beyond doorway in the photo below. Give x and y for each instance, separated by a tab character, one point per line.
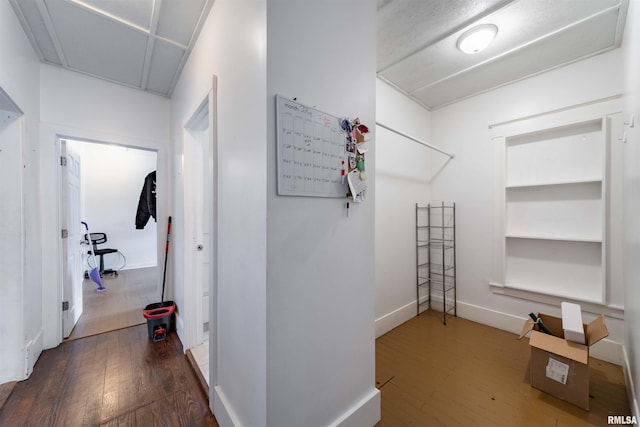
112	180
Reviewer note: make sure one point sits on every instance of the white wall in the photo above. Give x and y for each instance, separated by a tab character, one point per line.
320	269
403	170
463	128
631	205
231	45
11	245
112	178
76	106
20	283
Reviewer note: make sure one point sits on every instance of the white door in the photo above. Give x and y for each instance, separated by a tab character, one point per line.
202	235
196	246
205	227
72	249
197	235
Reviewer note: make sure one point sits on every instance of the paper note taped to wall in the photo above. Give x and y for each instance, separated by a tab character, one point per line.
356	185
557	370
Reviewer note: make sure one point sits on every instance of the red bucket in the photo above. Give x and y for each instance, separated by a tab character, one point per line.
160	319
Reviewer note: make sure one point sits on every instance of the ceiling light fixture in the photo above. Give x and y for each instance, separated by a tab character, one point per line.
477	38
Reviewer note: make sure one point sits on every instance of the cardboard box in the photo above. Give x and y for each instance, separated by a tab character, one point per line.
572	322
560	367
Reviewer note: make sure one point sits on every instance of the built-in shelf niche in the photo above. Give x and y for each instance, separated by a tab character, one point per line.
568	211
554	215
550	203
570	269
566	154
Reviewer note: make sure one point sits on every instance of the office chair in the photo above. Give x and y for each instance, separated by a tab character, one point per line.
98	239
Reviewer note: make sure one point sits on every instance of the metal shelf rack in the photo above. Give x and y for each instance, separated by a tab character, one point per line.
436	259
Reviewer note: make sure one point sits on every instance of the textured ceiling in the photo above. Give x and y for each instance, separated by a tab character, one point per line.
138	43
417	42
145	43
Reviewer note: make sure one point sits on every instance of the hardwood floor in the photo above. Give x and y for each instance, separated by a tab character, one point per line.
467	374
461	374
5	391
118	378
120	306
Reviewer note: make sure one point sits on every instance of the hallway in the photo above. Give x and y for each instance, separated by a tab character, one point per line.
117	378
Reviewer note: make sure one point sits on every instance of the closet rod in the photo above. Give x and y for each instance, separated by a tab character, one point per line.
426	144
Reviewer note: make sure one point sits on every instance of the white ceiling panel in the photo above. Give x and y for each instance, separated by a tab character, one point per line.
98	46
405	26
145	43
443	59
35	26
138	43
417	42
591	37
178	19
165	63
136	12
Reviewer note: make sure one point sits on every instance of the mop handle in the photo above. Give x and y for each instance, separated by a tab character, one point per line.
166	249
166	255
93	255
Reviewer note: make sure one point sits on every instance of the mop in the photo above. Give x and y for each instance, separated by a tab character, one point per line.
94	274
161	315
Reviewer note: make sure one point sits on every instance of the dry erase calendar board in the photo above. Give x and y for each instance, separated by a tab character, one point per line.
310	151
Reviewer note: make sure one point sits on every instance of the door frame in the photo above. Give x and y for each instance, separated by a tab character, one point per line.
55	312
20	351
194	175
193	295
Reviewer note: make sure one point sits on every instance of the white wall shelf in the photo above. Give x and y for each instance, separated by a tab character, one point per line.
558	210
594	305
545	184
572	152
558	238
550	203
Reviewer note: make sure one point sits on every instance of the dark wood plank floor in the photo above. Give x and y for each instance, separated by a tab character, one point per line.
468	374
118	378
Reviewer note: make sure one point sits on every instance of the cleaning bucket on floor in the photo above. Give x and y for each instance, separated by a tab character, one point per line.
160	319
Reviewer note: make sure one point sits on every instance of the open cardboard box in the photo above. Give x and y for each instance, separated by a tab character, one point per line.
560	367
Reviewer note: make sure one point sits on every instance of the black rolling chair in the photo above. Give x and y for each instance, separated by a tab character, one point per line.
98	239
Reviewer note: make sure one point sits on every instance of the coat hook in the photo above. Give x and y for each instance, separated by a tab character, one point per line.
623	138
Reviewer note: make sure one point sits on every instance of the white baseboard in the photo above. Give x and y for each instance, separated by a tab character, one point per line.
222	410
366	412
180	329
33	349
139	265
397	317
493	318
628	379
606	350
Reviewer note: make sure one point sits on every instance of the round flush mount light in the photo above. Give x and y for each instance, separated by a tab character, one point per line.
477	38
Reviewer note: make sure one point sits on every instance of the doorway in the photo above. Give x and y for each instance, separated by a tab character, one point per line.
200	237
111	182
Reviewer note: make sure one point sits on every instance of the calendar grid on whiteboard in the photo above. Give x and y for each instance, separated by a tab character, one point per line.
310	151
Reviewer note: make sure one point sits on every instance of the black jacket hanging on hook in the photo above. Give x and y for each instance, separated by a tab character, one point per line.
147	203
